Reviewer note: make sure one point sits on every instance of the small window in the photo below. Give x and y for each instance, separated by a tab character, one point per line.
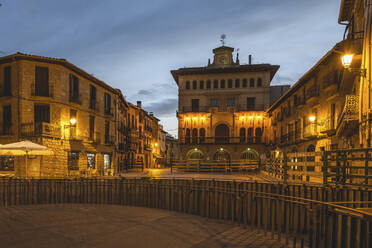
73	160
91	158
237	83
215	84
208	84
222	84
229	84
201	84
7	81
251	83
194	85
259	82
187	85
244	83
6	163
214	102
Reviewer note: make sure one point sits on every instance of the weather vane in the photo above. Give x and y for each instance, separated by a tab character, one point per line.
223	37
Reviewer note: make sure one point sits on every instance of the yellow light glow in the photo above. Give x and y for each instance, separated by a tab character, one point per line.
312	118
202	118
72	121
251	117
242	118
194	118
347	59
259	117
187	118
156	144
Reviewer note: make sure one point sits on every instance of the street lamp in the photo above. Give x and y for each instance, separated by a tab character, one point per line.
72	121
347	59
312	118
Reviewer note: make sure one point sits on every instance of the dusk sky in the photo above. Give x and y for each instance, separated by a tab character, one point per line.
133	45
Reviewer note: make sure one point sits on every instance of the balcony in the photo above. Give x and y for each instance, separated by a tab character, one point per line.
312	93
37	91
330	81
94	105
109	140
147	147
109	111
257	107
6	130
95	138
40	129
310	131
349	118
222	140
76	99
190	109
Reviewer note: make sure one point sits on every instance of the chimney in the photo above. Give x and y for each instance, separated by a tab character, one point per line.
139	104
250	59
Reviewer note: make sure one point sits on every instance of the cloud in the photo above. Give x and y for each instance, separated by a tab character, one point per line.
164	108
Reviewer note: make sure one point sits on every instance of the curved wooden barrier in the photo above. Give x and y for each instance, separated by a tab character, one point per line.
305	216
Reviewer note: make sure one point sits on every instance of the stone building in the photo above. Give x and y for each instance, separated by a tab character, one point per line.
221	109
172	151
319	111
143	138
356	15
54	103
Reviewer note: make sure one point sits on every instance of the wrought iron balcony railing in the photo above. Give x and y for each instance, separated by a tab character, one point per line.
222	140
40	129
76	98
38	91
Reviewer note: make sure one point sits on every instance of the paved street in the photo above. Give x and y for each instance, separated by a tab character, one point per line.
166	173
118	226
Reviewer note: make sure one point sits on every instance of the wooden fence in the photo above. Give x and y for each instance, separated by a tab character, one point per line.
214	166
303	216
352	167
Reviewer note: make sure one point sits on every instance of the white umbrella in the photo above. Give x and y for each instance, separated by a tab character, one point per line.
24	148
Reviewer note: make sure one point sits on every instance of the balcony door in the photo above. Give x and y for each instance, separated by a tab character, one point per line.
41	114
222	133
195	105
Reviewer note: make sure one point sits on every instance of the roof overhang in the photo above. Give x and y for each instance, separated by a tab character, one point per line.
345	10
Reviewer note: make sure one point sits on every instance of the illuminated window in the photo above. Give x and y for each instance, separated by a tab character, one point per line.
106	161
91	157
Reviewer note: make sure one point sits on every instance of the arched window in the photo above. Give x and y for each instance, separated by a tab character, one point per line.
244	83
222	155
194	85
187	136
250	135
221	133
242	135
249	155
195	154
251	83
258	135
202	135
237	83
195	136
187	85
259	82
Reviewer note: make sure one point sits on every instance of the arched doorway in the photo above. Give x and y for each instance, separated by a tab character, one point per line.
222	133
222	155
250	155
194	155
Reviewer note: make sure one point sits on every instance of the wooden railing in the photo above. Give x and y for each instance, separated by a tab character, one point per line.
214	166
299	215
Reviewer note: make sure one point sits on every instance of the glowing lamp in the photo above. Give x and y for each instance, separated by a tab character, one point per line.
202	118
156	144
72	121
251	117
187	118
347	59
312	118
259	117
194	118
242	118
